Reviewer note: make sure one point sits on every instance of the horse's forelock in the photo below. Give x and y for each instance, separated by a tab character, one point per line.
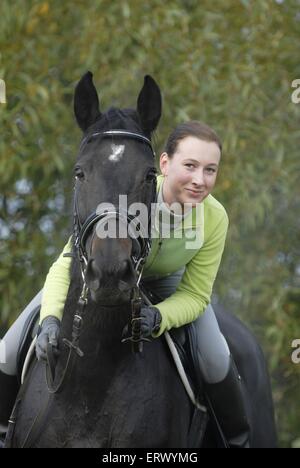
117	119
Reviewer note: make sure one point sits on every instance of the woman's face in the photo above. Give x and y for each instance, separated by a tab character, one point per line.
190	175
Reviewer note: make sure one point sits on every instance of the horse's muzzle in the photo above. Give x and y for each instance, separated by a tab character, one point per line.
118	280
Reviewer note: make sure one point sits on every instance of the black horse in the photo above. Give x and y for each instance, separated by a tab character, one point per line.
111	397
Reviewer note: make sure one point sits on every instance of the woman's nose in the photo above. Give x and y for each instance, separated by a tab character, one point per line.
198	178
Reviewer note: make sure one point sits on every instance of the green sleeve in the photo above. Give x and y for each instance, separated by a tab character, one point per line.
193	293
56	286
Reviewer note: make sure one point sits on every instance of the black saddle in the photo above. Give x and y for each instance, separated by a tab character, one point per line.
29	332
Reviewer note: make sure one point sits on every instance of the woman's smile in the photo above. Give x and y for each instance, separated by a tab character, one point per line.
195	192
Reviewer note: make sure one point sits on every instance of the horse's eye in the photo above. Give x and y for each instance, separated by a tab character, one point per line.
151	175
79	174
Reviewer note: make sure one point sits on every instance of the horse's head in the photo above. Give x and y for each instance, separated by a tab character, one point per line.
115	158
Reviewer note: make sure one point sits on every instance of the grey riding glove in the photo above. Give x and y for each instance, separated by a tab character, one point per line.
150	320
48	333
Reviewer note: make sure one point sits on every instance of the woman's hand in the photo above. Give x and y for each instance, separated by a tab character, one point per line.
150	320
49	332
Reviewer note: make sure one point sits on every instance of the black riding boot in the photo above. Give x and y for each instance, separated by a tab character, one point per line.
228	403
8	392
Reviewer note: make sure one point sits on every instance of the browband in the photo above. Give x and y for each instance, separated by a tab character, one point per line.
125	133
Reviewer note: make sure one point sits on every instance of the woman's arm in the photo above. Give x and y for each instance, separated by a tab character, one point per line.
56	286
194	291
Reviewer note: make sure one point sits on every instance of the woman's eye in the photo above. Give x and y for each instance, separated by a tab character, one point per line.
211	170
189	165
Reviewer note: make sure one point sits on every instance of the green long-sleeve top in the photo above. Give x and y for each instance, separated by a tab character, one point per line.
196	243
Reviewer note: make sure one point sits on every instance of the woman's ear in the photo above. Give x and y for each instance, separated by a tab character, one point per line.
164	163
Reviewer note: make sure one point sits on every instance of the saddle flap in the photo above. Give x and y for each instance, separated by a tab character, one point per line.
29	332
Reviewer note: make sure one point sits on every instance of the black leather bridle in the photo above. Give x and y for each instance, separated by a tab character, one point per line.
141	245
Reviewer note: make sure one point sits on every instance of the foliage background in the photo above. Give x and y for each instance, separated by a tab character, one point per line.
229	63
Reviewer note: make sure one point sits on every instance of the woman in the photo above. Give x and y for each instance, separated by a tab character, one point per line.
180	272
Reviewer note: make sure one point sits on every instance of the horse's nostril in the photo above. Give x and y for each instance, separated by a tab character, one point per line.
123	286
95	284
93	275
127	273
124	268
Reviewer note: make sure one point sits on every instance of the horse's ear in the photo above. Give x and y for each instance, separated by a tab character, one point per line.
86	102
149	104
